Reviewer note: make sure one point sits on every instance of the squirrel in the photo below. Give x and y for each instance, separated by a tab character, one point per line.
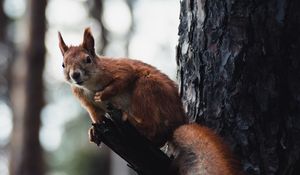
150	102
148	98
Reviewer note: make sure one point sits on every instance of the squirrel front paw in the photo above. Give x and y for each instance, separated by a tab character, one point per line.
98	97
93	137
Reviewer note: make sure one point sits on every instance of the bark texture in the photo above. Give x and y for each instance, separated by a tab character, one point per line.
27	97
239	72
142	156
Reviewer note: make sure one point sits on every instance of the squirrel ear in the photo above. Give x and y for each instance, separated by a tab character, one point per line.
63	47
88	41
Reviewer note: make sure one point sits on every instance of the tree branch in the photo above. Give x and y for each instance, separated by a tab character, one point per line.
125	140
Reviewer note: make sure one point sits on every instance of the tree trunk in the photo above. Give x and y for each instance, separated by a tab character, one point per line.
131	30
27	97
3	48
6	54
3	21
96	8
239	72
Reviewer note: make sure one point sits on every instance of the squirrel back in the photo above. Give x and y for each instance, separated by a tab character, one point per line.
197	150
155	107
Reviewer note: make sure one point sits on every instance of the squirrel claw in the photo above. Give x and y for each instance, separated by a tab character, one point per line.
93	137
97	97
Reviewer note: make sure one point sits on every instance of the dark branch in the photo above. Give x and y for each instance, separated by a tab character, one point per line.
124	140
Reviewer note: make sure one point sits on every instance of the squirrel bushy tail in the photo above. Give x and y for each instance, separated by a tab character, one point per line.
197	150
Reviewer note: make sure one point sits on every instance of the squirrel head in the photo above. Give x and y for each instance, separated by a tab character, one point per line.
79	62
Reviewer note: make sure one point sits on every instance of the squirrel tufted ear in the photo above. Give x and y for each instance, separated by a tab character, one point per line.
63	47
88	41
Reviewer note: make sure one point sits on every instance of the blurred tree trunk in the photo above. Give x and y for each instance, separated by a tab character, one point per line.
3	21
96	11
6	49
130	32
27	97
3	53
239	72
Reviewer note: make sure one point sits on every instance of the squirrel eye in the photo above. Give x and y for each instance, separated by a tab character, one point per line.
88	59
63	65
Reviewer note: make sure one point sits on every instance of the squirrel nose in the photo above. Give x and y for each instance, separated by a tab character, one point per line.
75	75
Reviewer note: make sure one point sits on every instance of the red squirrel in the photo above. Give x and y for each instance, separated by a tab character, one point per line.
149	99
151	103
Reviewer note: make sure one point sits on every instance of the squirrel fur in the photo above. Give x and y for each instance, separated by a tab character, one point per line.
149	99
151	103
197	150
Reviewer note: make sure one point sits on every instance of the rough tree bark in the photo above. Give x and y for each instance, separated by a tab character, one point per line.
27	97
239	72
124	140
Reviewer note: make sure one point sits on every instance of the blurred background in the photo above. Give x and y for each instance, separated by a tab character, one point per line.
43	129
